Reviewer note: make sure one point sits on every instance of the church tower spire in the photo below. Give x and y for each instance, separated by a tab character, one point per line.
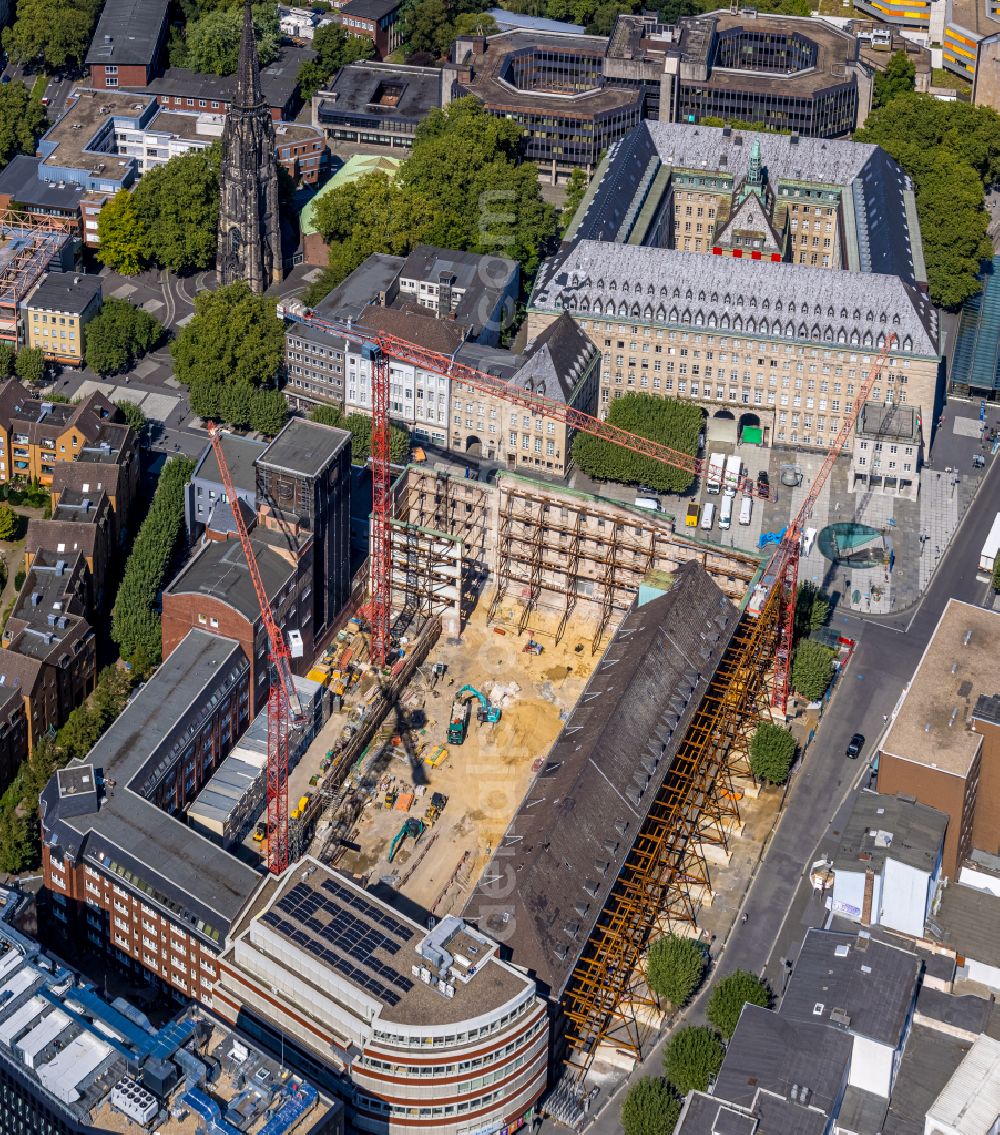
249	229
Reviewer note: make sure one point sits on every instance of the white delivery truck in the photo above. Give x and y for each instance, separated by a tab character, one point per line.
987	557
707	516
734	474
716	469
746	510
726	511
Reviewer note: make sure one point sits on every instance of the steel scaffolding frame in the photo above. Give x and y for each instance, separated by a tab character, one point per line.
695	805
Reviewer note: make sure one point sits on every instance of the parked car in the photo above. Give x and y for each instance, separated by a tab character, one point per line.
855	745
763	484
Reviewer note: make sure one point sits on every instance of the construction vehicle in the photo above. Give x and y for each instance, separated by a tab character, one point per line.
299	808
438	755
458	726
413	828
532	647
260	832
435	808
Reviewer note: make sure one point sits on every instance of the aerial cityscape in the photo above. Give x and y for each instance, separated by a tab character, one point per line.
499	567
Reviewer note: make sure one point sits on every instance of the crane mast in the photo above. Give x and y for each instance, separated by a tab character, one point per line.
380	349
283	706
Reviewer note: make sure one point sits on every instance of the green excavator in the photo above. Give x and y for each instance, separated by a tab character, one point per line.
458	726
413	828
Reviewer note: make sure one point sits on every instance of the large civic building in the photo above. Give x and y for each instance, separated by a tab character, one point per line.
758	275
576	95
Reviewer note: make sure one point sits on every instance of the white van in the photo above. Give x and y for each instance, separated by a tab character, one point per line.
746	510
726	512
708	516
652	503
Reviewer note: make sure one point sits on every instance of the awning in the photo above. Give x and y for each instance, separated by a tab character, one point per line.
753	435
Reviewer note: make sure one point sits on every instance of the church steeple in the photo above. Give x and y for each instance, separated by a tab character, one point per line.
249	229
247	93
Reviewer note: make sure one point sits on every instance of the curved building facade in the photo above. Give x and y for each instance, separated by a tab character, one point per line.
420	1030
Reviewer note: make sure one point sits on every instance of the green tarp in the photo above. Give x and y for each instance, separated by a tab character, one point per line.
753	435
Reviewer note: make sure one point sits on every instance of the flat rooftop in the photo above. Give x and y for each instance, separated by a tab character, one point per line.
241	455
66	145
362	943
304	447
969	921
931	727
890	827
929	1059
384	91
154	851
219	571
973	16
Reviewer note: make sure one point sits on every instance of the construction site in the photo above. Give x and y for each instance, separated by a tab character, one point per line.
30	245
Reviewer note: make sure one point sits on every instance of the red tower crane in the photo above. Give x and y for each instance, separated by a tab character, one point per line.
380	349
283	706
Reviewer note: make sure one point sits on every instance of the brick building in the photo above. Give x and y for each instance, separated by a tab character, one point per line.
117	855
80	525
214	593
943	744
107	463
377	20
128	43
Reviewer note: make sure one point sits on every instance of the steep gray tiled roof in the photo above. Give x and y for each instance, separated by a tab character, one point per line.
778	301
556	361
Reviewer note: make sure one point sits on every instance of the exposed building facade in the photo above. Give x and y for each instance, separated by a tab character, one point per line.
56	315
377	20
886	451
128	43
249	227
432	1031
206	505
117	856
971	46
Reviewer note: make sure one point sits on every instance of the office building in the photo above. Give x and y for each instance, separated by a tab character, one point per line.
378	104
118	857
57	313
577	95
431	1028
304	486
377	20
215	593
942	743
73	1061
888	865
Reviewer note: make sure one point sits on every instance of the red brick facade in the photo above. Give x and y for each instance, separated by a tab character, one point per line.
110	77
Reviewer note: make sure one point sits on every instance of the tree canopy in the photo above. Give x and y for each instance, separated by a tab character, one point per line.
29	365
772	751
51	33
359	426
996	574
693	1058
135	622
334	48
730	995
212	39
170	219
10	523
674	968
896	79
118	335
133	413
665	420
812	609
22	121
650	1108
576	188
812	668
952	153
461	187
229	356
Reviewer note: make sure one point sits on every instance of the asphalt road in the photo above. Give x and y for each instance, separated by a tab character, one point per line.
779	904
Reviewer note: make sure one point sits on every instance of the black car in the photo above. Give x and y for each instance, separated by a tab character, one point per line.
855	745
763	483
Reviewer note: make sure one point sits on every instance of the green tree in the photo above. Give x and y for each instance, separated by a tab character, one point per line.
359	426
118	335
10	523
334	48
896	79
812	609
693	1059
177	205
123	236
7	354
730	995
212	40
52	33
327	416
996	574
674	968
268	411
650	1108
952	153
234	340
812	668
22	120
576	187
134	414
772	751
665	420
135	623
29	365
